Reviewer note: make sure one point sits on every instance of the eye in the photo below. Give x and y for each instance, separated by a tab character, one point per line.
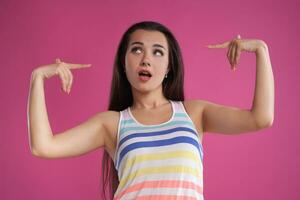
136	50
158	52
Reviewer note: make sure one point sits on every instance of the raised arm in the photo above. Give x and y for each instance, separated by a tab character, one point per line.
78	140
232	120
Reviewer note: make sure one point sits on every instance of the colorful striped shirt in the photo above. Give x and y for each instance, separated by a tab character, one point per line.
161	161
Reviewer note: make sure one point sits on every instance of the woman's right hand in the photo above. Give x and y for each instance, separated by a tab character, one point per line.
62	69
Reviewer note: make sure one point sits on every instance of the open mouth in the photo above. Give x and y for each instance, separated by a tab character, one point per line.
145	73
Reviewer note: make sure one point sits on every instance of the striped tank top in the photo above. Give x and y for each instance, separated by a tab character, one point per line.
161	161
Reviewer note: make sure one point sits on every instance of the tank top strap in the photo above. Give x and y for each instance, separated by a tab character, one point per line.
178	107
124	121
180	110
182	115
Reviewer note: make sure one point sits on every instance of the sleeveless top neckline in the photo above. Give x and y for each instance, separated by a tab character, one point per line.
152	125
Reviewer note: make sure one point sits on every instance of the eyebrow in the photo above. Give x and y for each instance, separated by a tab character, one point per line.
155	45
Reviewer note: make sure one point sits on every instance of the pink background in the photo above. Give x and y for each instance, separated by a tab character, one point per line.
260	165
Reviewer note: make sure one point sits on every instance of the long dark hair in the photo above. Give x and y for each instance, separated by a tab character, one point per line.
121	94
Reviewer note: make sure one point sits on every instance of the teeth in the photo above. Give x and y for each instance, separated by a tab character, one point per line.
145	73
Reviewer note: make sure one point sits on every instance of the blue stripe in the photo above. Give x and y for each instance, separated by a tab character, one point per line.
180	139
155	133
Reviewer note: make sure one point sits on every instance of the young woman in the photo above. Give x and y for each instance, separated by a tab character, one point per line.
152	136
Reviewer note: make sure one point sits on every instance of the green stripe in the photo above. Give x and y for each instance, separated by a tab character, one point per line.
138	128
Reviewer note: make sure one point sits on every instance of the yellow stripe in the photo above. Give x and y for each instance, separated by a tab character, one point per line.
161	156
159	170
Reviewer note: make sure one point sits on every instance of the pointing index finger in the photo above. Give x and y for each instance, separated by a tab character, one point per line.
223	45
78	66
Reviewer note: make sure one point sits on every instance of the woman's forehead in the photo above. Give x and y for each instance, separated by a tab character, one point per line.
148	37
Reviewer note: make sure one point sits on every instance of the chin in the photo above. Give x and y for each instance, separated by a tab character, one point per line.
143	89
146	88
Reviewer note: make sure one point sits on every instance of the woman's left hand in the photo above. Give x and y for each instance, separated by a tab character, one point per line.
236	46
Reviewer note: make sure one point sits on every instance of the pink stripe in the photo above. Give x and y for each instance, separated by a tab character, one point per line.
165	197
162	184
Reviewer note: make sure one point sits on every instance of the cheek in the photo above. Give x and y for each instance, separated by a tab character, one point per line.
131	61
130	66
162	65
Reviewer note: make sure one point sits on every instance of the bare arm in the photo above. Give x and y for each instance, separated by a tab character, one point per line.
78	140
263	102
39	129
75	141
231	120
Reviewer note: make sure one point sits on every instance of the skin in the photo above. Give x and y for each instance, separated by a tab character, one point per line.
149	106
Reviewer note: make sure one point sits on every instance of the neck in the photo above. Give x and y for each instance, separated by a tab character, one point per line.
148	100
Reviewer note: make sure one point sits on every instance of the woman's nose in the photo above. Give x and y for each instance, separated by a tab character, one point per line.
145	60
145	63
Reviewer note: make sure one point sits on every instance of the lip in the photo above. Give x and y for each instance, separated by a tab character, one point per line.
144	70
144	78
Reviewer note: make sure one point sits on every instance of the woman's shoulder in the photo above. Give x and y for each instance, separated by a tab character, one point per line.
194	108
109	117
110	121
194	104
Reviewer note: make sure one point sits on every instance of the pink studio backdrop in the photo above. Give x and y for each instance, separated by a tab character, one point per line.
257	165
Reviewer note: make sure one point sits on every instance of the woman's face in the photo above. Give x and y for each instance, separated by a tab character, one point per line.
147	51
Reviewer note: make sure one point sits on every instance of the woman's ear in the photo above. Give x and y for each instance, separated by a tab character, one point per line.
168	70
